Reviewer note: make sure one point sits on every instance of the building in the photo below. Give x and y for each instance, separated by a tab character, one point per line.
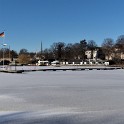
88	54
40	63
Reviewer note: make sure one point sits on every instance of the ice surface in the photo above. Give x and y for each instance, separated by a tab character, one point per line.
62	97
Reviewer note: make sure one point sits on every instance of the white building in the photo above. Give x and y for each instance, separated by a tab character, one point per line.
42	63
88	54
54	63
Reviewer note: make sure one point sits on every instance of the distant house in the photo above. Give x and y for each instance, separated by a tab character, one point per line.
40	63
54	63
115	54
88	54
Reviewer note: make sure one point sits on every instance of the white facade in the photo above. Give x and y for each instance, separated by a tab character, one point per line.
55	63
88	54
42	63
113	55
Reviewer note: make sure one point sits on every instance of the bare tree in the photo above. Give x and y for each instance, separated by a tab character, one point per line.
10	54
83	48
48	54
13	54
6	52
120	43
100	54
24	57
76	50
23	51
58	50
69	54
92	46
119	49
108	47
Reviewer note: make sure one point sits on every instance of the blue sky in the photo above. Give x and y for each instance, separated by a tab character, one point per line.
28	22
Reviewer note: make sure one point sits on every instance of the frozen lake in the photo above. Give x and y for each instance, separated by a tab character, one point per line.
62	97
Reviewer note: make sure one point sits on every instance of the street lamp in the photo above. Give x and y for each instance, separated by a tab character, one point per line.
4	44
3	53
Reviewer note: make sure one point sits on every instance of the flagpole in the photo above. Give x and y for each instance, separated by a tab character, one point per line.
3	48
3	51
9	54
41	50
2	35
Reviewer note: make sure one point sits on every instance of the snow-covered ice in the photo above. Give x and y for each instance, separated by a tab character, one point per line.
62	97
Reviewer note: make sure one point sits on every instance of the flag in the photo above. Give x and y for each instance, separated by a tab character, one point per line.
2	34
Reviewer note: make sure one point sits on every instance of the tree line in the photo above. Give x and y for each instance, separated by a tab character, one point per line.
71	51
